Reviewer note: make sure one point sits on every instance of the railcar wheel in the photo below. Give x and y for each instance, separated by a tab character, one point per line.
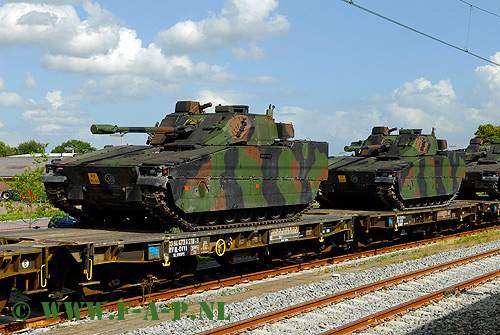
211	218
274	213
5	289
244	215
229	216
260	213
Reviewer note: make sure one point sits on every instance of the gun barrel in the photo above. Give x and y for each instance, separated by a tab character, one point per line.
350	148
110	129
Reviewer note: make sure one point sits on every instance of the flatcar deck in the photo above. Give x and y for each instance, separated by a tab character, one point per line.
33	254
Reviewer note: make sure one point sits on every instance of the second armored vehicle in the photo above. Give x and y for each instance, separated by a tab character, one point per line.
200	169
482	169
399	171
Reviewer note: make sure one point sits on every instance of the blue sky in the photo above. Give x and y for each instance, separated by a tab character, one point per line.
330	68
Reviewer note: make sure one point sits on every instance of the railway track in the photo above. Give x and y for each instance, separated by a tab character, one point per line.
231	280
352	310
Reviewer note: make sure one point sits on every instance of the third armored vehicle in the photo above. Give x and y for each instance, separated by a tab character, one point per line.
199	170
482	168
399	171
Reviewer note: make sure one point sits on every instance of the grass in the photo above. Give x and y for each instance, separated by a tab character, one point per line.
203	259
18	216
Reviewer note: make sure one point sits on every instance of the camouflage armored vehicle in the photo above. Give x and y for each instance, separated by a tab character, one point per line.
397	171
199	170
481	170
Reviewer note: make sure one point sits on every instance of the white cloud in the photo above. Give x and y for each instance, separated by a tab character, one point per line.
239	21
30	81
54	113
10	99
423	93
98	45
115	88
54	2
2	84
338	128
253	52
1	124
416	104
223	98
57	29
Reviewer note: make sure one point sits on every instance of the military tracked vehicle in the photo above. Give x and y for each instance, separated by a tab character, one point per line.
397	171
199	170
481	170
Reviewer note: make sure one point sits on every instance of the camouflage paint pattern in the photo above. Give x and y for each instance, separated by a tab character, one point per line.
204	162
482	169
416	165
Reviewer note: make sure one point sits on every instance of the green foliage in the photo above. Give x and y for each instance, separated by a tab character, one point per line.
31	147
32	200
5	150
488	132
19	216
79	146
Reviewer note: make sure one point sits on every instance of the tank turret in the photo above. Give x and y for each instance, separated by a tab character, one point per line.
400	171
199	170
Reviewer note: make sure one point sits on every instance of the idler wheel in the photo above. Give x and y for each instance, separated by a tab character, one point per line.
229	217
261	213
274	213
244	215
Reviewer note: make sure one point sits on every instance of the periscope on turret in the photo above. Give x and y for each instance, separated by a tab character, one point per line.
200	169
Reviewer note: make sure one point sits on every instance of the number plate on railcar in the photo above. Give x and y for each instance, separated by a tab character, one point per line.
283	234
342	178
184	247
444	215
93	178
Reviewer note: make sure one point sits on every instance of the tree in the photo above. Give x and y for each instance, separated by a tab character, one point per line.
31	147
5	150
80	147
31	197
488	132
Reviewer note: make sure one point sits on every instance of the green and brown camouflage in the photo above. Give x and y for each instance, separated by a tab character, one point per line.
400	171
482	169
199	169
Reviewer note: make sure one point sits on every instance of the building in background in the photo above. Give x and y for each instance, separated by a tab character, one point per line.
12	165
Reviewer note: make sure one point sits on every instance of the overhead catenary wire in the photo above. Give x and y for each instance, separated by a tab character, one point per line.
351	2
484	10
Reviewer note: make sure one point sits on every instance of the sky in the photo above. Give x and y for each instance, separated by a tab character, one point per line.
331	69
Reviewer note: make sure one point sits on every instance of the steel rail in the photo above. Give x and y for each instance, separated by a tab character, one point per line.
258	321
163	295
404	308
